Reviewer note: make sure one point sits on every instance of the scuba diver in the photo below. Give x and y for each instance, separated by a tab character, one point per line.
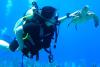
35	31
81	16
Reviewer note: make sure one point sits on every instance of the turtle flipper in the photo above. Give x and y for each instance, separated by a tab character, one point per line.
69	24
76	27
96	21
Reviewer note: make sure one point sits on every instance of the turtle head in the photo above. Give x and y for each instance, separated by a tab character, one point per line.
85	8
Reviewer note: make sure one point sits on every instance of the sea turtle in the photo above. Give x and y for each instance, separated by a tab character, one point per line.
83	15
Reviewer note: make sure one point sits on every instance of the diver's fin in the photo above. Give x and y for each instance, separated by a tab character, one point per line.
96	21
14	45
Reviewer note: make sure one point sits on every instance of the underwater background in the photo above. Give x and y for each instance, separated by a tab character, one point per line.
79	48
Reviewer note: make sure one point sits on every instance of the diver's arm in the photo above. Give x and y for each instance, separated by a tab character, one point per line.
19	36
18	23
69	15
30	13
62	19
28	16
22	21
76	13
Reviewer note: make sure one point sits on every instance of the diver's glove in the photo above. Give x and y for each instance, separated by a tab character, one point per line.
67	14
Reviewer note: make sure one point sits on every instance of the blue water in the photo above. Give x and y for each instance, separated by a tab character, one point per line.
74	48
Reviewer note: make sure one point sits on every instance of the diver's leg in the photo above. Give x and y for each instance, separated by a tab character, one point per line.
4	45
9	46
19	37
13	45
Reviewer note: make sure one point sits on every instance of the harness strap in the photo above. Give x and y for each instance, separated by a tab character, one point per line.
50	56
56	34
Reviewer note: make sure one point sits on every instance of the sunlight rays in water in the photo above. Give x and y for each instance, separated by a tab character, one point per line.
8	7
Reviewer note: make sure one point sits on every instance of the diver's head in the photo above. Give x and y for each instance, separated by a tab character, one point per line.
48	12
49	15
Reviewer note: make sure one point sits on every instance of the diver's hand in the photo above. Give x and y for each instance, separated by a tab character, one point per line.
68	15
